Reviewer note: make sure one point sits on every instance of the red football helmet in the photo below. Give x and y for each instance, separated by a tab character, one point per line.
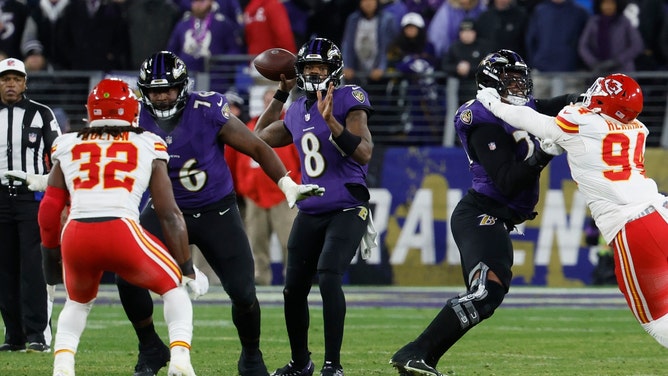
112	103
616	95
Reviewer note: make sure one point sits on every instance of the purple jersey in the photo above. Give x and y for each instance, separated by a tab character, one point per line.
321	162
196	40
197	167
471	114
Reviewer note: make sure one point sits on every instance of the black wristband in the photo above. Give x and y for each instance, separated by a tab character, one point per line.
187	267
346	142
281	96
539	158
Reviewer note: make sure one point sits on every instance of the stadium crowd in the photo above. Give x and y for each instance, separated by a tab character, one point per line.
395	49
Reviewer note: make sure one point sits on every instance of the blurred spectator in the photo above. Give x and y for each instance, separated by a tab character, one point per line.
150	23
36	62
18	34
444	27
367	35
366	39
237	104
232	9
397	8
46	16
552	38
426	9
410	42
416	89
528	5
204	32
609	43
267	25
463	58
298	13
267	210
93	35
329	19
62	119
504	24
648	17
663	40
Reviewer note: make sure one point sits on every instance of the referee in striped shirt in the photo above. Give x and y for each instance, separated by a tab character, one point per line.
27	130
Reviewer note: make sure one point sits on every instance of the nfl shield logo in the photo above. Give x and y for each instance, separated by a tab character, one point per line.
168	140
32	137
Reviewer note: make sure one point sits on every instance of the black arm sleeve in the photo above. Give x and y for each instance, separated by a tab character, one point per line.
552	106
509	175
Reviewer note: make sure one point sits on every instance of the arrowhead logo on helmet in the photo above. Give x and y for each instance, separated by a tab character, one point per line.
617	96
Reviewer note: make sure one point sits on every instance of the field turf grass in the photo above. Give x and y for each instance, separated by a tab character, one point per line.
515	341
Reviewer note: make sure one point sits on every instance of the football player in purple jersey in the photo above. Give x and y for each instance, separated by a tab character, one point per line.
197	127
505	163
329	128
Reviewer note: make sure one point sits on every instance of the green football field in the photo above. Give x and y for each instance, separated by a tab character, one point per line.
535	332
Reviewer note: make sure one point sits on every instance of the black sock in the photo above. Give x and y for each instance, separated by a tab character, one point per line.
147	335
247	322
443	332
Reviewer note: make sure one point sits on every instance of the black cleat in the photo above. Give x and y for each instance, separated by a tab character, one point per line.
151	359
411	364
38	347
252	366
8	347
330	369
291	370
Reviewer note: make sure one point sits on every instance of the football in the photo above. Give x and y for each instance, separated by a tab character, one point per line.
274	62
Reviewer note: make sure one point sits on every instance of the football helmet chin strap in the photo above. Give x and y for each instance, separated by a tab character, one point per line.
313	83
463	304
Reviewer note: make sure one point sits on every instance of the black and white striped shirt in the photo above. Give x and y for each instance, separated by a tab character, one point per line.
27	131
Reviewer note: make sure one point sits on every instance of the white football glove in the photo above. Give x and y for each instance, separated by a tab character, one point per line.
198	286
368	242
488	97
296	192
51	292
550	147
36	183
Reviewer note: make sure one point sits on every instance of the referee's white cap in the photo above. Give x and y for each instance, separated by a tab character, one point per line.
12	65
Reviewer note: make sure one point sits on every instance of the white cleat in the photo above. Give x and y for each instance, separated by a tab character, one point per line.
180	370
63	364
179	365
63	371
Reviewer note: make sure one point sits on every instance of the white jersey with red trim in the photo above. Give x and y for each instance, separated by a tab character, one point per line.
606	159
106	176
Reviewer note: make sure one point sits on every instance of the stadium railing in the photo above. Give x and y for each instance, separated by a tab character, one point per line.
409	110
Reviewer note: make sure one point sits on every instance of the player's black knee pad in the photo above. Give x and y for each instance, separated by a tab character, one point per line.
495	295
480	301
471	308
